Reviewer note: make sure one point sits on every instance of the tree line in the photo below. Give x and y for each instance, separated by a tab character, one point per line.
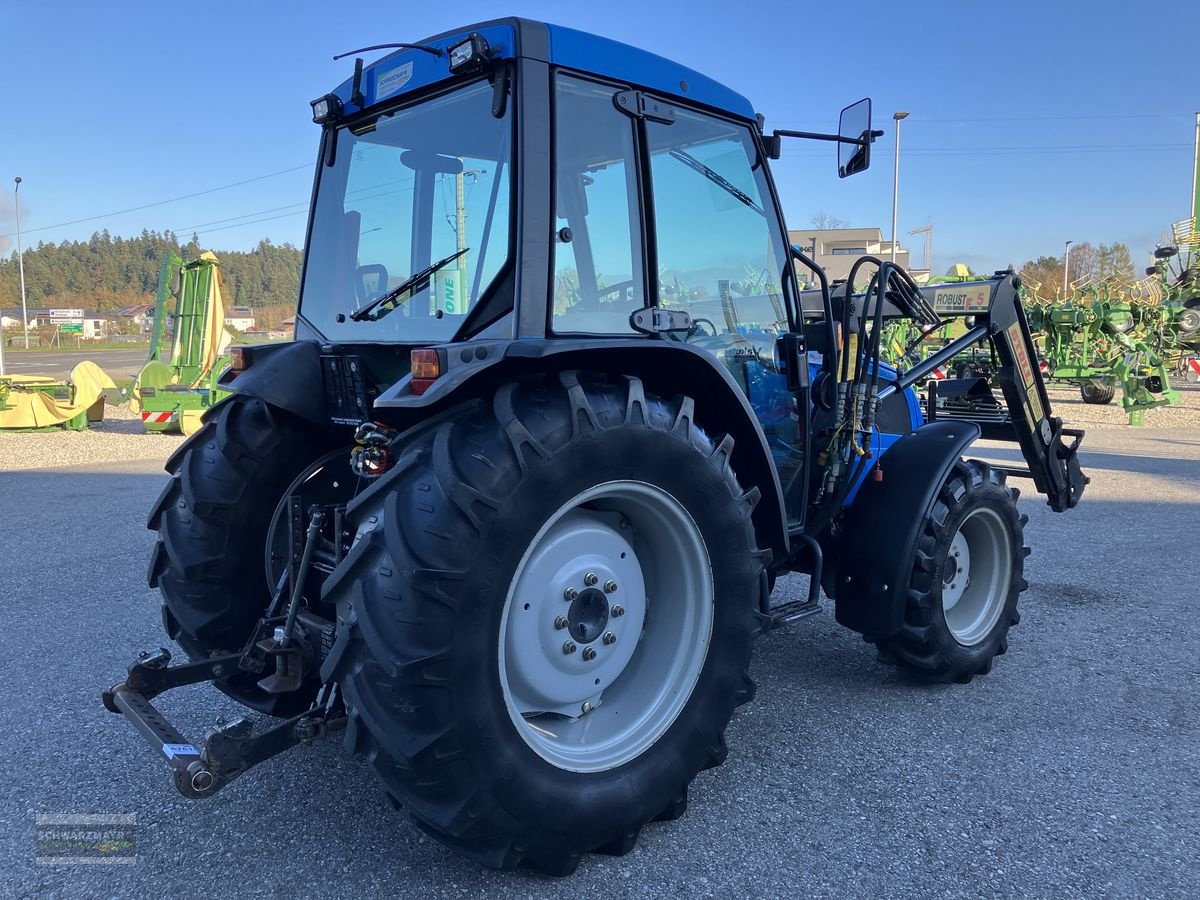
108	272
1107	262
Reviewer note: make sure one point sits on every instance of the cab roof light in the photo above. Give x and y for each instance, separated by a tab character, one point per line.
327	109
468	55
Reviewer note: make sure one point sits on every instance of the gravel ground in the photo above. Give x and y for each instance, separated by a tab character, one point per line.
1071	770
119	438
1184	414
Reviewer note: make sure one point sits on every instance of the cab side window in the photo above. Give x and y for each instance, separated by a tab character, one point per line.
598	280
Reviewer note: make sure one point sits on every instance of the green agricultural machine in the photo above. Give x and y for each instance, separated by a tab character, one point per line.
1096	338
1174	319
44	403
179	382
514	545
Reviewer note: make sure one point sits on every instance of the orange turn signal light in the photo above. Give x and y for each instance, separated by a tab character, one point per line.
426	369
239	360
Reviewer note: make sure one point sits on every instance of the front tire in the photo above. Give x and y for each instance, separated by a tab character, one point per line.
489	677
967	576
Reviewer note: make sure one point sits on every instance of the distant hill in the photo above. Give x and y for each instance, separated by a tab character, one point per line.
106	273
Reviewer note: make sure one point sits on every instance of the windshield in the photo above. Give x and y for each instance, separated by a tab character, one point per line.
407	190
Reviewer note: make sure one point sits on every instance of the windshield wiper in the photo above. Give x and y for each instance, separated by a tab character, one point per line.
716	178
409	284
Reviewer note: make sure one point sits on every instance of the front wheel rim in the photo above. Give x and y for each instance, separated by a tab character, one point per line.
976	576
606	626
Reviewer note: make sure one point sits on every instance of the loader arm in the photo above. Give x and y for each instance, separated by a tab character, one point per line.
993	310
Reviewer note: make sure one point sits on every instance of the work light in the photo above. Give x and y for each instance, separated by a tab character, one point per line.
469	54
327	108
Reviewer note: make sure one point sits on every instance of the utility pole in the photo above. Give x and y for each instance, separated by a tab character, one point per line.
1196	182
1066	265
21	258
898	117
928	232
460	226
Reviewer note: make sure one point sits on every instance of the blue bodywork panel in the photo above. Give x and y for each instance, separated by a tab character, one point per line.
405	71
590	53
774	407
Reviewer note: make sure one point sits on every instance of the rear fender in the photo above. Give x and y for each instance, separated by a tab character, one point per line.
878	543
665	368
285	375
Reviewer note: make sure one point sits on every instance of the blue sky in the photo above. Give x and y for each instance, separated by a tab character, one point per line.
1031	123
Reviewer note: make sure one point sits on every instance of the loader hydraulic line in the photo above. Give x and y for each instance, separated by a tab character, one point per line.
994	312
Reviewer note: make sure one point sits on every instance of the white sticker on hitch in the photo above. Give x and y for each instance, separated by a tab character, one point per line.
173	750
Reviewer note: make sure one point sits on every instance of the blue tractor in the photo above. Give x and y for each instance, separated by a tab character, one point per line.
508	511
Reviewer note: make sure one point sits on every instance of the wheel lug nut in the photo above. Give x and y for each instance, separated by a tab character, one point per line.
609	637
618	611
568	647
590	579
589	653
610	586
570	594
561	622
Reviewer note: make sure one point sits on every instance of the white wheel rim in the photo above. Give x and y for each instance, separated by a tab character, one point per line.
640	622
976	576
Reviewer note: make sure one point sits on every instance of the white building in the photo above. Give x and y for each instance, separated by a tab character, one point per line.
240	318
836	249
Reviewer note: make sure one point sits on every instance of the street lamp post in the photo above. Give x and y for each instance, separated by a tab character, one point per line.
1066	265
21	258
898	117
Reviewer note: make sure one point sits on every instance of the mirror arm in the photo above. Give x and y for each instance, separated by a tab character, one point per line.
815	136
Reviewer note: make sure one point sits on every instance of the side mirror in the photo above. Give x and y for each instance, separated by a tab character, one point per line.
854	138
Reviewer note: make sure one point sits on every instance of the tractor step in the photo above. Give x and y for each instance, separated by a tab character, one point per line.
791	611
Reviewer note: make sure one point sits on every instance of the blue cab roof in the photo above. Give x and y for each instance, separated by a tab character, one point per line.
408	70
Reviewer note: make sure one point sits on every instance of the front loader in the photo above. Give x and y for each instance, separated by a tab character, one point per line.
507	513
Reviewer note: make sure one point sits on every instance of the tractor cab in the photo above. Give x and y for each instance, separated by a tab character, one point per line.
520	182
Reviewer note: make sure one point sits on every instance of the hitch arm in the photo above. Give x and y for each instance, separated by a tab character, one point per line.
229	750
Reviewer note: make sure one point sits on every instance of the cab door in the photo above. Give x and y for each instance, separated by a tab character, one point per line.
719	253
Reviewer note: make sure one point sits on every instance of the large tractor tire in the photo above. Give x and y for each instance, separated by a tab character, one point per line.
966	578
1097	392
212	521
554	597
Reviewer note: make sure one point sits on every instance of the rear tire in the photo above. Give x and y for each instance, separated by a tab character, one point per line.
966	578
1097	392
461	687
212	520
